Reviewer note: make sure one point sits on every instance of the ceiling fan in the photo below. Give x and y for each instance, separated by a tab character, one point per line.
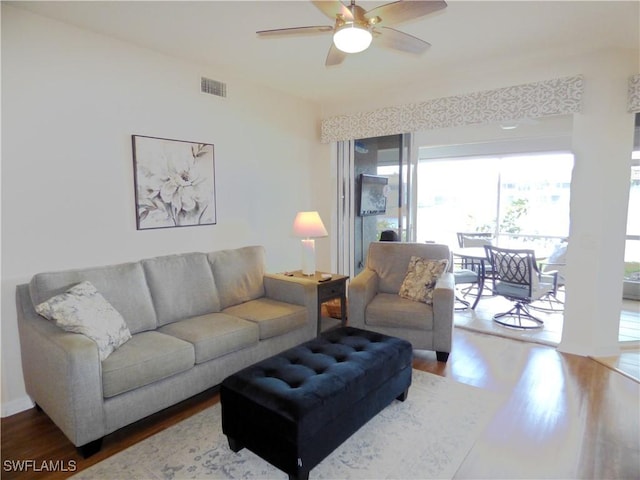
355	28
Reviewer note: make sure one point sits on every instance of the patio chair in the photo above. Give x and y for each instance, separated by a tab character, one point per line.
517	278
557	261
476	239
469	278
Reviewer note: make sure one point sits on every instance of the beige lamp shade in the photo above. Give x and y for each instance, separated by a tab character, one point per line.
309	225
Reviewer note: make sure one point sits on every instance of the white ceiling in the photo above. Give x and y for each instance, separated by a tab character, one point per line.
222	34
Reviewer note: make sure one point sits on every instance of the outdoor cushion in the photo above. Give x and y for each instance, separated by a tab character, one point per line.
389	310
214	335
273	317
144	359
464	275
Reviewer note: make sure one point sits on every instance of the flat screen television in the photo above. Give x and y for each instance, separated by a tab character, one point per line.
373	194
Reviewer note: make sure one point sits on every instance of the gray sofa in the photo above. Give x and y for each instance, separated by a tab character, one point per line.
194	319
374	302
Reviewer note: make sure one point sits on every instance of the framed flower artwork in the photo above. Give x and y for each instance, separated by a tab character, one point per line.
174	183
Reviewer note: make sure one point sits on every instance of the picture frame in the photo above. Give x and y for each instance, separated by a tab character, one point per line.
373	195
174	182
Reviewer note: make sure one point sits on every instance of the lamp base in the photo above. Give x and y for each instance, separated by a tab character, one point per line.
308	256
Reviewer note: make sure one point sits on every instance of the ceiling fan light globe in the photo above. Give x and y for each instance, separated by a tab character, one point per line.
352	38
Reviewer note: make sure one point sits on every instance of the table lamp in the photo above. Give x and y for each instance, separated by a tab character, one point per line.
308	225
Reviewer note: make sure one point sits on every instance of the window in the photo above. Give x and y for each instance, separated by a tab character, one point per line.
632	246
518	198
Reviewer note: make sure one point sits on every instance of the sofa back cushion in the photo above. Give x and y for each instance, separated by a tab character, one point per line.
181	286
238	274
390	260
124	286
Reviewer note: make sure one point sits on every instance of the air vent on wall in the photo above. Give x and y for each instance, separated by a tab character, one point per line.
213	87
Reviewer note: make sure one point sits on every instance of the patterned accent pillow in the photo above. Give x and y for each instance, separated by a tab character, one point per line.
421	279
81	309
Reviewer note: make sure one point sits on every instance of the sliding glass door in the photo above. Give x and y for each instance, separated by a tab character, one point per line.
520	199
374	195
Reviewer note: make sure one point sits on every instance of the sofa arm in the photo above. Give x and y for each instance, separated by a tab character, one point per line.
62	373
293	290
443	307
362	289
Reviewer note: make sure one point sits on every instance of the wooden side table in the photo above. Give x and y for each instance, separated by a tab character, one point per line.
336	287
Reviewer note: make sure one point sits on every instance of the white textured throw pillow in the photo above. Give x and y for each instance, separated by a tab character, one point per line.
81	309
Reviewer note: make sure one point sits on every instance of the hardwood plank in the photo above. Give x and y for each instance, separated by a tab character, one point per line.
31	435
562	416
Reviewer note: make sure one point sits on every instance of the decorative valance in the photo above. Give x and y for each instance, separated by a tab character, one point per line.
634	94
559	96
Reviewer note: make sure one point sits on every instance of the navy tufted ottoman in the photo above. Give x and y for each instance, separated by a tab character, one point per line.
295	408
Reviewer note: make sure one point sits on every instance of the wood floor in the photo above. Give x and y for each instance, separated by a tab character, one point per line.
562	416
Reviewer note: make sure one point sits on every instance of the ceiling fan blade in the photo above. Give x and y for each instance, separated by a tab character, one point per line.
402	11
335	56
332	8
295	31
391	38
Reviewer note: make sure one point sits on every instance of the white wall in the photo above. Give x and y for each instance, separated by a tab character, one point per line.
72	99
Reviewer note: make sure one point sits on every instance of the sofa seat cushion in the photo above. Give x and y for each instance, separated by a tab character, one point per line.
214	335
273	317
146	358
391	310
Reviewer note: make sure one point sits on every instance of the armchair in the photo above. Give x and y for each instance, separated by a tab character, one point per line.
375	303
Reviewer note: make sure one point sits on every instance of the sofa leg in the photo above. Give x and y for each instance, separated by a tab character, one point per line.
234	445
90	448
442	356
403	396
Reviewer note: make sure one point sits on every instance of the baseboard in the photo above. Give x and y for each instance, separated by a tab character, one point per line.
16	406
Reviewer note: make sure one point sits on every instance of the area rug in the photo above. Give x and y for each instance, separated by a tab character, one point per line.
427	436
